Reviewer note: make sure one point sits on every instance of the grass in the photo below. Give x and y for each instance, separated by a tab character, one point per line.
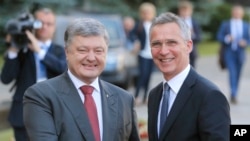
6	135
1	61
208	48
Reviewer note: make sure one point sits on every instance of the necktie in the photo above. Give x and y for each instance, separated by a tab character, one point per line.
41	69
90	107
164	106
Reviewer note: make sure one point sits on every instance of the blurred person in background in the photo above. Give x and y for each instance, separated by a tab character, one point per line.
185	106
78	105
185	10
147	13
129	24
234	36
40	60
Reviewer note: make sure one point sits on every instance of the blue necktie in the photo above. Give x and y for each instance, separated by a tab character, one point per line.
41	69
165	105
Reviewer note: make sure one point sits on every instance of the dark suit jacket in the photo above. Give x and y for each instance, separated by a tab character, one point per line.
200	112
53	111
23	71
225	29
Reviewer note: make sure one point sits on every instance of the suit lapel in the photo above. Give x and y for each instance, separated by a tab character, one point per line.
73	102
109	111
182	97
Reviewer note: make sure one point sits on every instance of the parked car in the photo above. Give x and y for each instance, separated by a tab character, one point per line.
121	64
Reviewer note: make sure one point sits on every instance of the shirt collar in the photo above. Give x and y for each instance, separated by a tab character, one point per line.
45	44
236	20
176	82
78	83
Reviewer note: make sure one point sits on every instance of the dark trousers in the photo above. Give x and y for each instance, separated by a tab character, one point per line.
20	134
234	62
146	67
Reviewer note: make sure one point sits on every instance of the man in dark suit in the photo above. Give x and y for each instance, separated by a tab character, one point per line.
32	64
185	12
234	37
59	109
185	106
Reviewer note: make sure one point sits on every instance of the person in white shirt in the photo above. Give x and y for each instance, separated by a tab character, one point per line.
147	13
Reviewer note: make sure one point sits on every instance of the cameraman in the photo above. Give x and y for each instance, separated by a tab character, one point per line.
40	60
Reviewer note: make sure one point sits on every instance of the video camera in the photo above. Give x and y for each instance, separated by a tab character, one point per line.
17	27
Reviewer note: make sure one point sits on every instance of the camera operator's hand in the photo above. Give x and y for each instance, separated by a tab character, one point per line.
34	43
10	48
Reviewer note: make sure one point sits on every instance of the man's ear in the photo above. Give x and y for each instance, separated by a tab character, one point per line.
189	46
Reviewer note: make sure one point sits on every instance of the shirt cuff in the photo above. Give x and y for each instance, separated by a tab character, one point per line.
227	39
12	54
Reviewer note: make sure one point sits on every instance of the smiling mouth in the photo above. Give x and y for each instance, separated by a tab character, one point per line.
166	60
89	66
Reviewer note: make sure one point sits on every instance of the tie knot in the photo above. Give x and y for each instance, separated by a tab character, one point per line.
87	90
166	87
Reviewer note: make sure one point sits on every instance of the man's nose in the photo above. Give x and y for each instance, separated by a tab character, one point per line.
91	56
164	50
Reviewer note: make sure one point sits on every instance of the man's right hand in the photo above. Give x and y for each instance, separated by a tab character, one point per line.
34	42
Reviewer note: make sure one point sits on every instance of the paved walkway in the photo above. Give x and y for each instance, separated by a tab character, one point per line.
207	66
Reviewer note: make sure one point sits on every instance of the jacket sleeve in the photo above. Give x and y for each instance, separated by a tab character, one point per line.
38	118
55	60
222	32
10	70
214	118
135	132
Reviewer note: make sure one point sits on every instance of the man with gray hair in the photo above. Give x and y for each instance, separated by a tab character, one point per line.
185	106
77	105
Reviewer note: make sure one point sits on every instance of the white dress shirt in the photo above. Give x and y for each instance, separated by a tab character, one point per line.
96	96
175	84
146	52
41	72
236	31
188	21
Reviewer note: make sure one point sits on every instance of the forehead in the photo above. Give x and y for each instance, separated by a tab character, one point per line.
88	40
45	16
165	30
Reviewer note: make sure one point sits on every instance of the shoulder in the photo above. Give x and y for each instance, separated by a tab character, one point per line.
206	87
55	45
226	23
203	83
111	88
45	87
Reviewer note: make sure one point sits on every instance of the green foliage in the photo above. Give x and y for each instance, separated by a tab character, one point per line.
220	13
208	48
